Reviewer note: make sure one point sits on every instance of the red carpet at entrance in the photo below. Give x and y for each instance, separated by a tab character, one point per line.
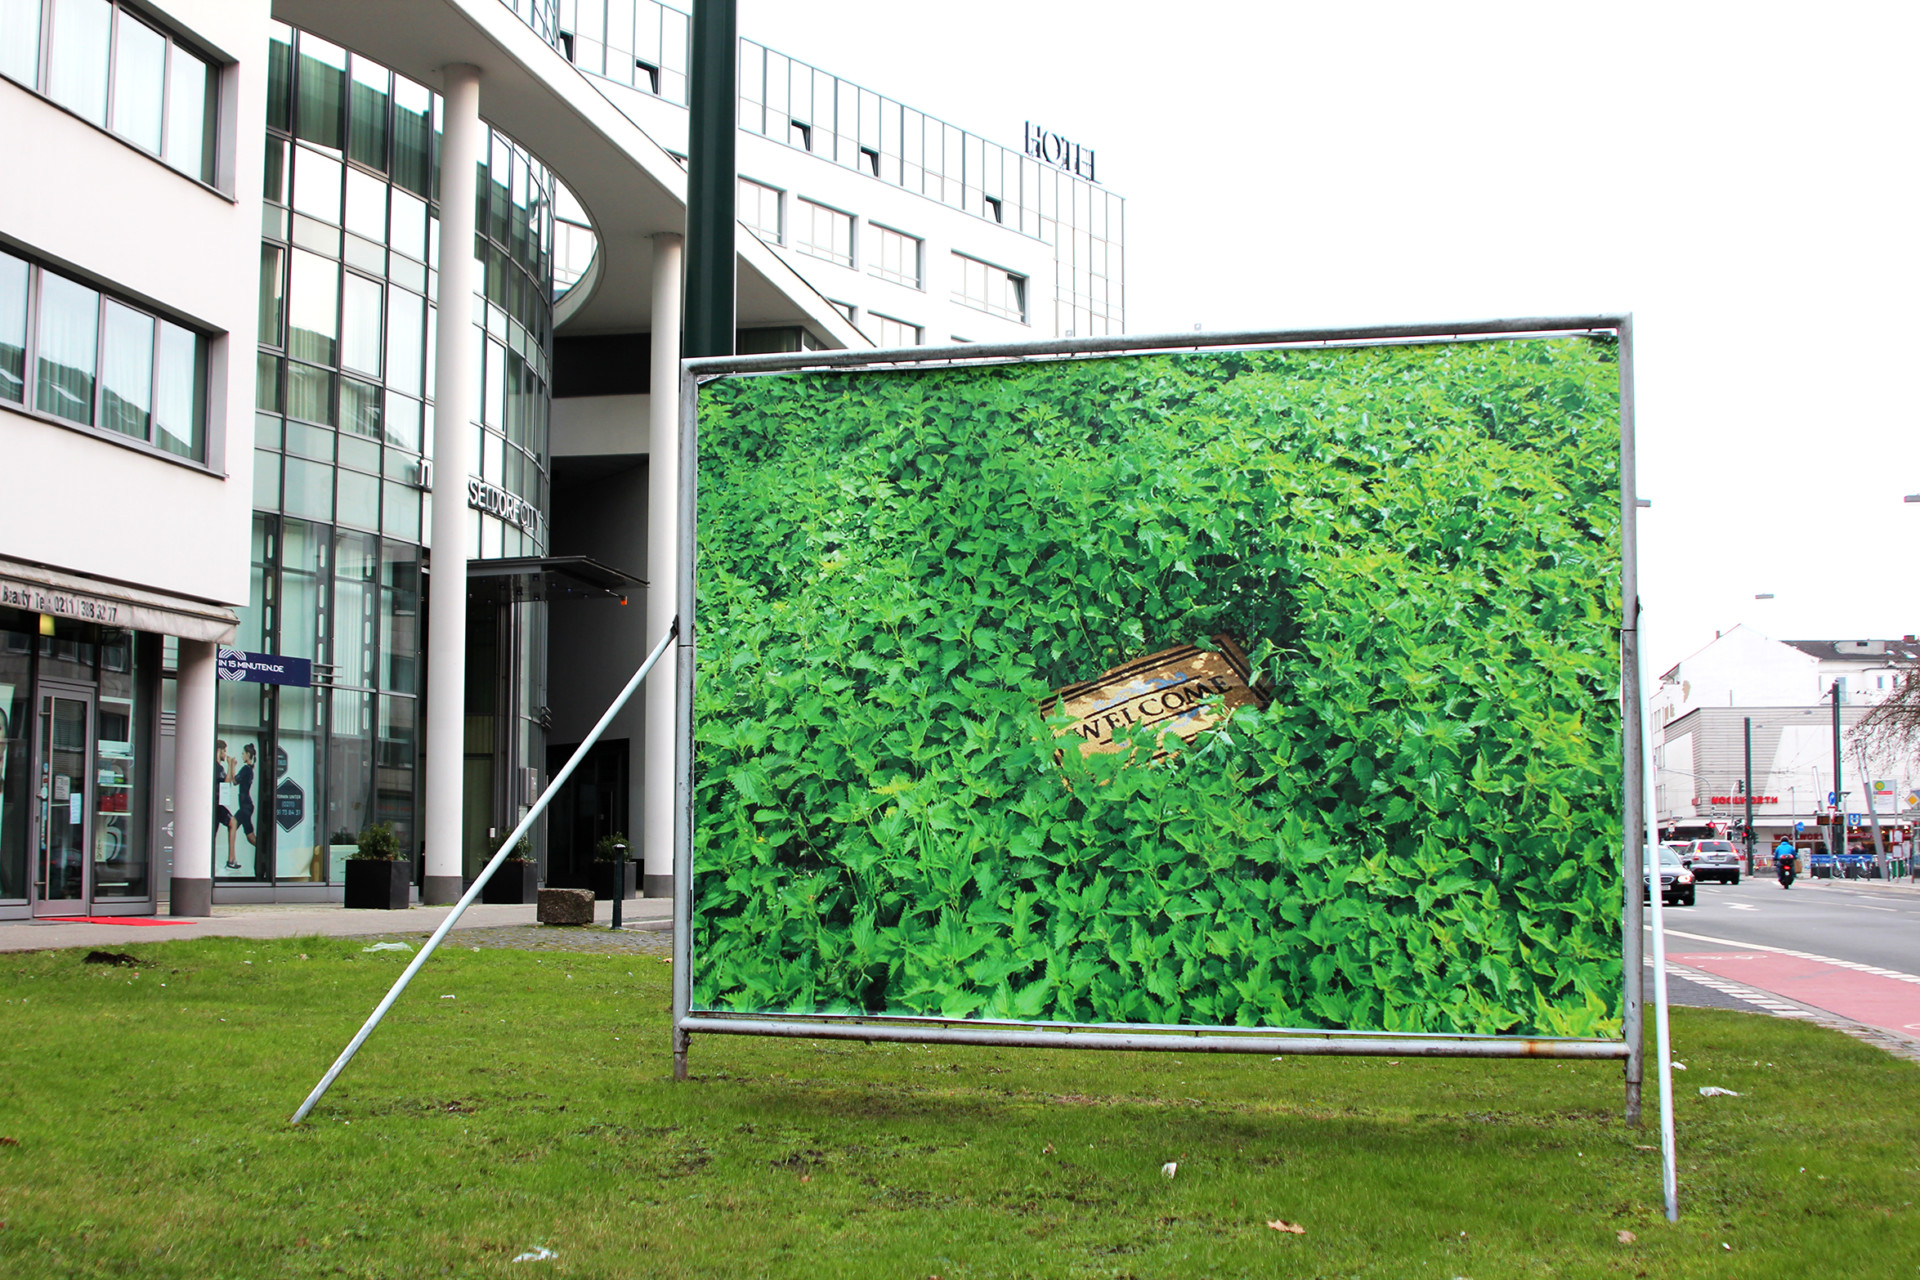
139	920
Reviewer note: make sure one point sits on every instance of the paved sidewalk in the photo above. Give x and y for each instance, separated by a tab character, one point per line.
285	921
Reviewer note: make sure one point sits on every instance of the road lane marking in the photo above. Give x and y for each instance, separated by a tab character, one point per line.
1855	965
1865	907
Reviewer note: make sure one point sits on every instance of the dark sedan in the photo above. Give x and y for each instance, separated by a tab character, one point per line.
1676	882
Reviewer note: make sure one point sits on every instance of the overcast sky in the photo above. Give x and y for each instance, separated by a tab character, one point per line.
1740	177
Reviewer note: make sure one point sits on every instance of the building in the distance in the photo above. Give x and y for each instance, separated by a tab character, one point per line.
238	421
1782	693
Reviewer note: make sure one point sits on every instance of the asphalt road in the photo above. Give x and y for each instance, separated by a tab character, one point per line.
1848	948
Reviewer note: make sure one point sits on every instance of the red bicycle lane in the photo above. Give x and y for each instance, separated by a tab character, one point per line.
1878	997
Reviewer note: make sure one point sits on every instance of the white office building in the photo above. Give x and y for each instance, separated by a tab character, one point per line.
227	645
1781	694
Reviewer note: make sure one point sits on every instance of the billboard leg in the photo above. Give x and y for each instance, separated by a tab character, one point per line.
680	1039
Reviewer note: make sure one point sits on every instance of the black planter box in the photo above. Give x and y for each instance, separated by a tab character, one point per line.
513	882
604	880
378	886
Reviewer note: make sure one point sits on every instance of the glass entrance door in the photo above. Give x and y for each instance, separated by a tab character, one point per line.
64	812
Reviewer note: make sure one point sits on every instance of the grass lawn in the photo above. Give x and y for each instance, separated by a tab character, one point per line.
145	1134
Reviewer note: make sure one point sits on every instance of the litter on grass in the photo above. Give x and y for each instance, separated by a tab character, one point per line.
1168	1169
539	1253
1679	1066
1715	1091
448	997
387	946
1281	1224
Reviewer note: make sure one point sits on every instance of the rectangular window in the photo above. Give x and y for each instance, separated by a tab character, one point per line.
889	332
191	103
78	52
273	293
20	41
366	206
69	335
110	67
280	79
823	232
759	207
320	93
992	289
126	372
313	308
101	362
412	136
13	328
896	256
316	185
180	392
360	336
139	82
367	113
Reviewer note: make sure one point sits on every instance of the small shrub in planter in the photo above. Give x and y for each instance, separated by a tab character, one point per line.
517	880
612	868
378	878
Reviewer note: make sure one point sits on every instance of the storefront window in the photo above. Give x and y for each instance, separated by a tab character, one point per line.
16	723
122	737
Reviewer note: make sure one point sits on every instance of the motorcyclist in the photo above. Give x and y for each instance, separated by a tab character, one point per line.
1783	861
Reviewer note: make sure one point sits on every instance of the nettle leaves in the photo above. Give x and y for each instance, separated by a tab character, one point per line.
1419	547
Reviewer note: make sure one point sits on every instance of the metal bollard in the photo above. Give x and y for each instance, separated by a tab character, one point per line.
619	879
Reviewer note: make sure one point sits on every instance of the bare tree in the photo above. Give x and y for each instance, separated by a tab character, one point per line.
1892	725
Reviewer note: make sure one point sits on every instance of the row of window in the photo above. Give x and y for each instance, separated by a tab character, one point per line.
107	66
822	231
96	361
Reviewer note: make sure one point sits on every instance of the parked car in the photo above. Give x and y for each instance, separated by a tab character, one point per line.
1712	860
1676	882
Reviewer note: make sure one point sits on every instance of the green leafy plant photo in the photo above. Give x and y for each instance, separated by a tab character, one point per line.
1418	548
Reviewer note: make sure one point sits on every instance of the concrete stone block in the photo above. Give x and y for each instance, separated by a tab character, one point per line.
565	906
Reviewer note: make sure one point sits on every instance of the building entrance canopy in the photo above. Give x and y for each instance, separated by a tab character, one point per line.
548	578
111	604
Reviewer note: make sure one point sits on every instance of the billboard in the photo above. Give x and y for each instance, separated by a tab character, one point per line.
1273	685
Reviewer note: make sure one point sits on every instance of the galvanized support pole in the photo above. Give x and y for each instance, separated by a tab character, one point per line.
1636	819
486	873
1747	790
713	100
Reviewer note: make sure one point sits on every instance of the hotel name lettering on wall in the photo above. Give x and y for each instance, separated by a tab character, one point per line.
496	501
1176	689
1051	148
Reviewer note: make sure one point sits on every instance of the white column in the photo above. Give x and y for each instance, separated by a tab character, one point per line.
663	570
456	385
190	888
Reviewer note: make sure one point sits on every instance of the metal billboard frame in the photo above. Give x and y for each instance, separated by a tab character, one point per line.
1136	1036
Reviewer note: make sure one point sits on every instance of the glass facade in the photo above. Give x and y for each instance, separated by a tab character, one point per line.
108	64
815	111
344	441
